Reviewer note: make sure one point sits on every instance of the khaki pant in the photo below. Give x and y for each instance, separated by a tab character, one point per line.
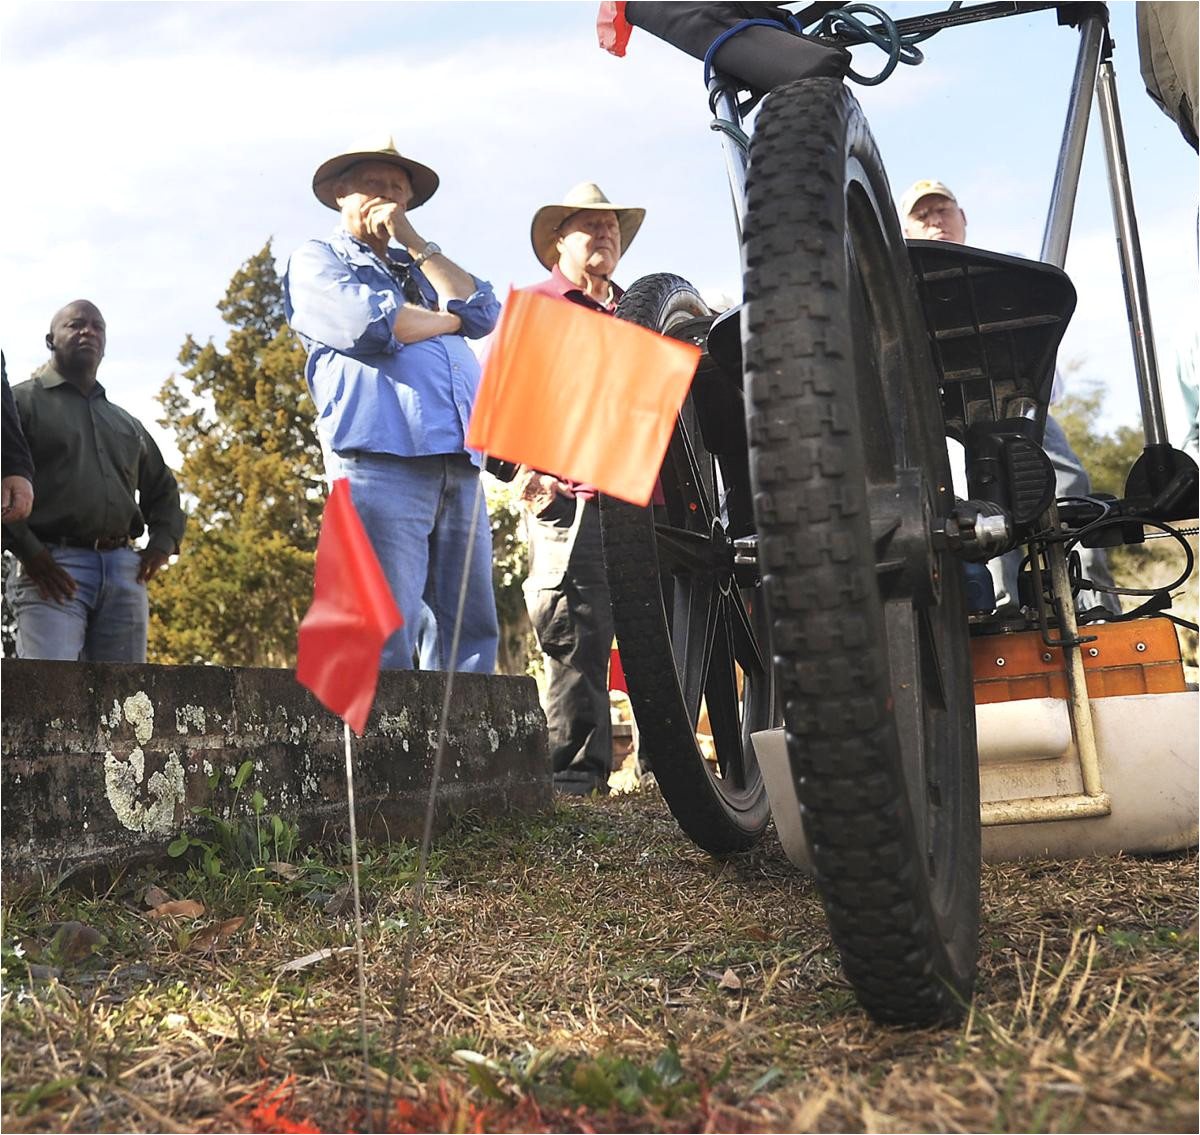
567	597
1167	48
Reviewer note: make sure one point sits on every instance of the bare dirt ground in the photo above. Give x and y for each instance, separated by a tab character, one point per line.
585	970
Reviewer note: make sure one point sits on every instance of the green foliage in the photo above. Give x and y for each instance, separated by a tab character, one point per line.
235	841
1107	457
611	1081
252	478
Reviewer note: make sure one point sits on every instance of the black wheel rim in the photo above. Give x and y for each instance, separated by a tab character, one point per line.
917	623
716	626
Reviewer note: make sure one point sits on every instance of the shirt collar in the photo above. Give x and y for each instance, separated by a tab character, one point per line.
360	252
48	378
564	287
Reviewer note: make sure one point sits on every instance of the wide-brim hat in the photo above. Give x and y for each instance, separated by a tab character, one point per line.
920	189
424	180
543	233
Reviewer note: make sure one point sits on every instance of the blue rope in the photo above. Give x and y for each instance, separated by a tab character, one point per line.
793	25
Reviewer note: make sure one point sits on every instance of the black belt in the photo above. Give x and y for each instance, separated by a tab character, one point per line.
100	544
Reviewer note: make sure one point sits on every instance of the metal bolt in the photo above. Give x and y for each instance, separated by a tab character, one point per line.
1093	652
1047	657
1141	648
999	661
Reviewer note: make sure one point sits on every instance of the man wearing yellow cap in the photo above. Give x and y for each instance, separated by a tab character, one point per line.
384	315
930	211
580	240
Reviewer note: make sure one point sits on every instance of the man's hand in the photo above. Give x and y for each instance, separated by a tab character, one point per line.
152	560
16	497
540	490
52	581
388	219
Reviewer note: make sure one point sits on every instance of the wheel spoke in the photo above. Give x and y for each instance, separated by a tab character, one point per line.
721	697
682	550
694	507
745	641
692	630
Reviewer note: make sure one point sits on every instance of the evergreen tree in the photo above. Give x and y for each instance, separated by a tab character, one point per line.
253	485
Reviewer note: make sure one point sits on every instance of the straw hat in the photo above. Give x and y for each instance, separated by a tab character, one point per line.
586	195
424	180
920	189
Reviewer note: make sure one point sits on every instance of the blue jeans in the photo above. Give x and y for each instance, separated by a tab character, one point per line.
104	621
1071	480
417	512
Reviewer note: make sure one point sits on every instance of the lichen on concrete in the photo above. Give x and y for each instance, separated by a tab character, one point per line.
123	785
190	716
139	712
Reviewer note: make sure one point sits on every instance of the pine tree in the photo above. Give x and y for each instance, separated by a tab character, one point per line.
253	485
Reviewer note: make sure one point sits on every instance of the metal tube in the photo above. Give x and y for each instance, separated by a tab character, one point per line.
1055	239
1133	273
1077	691
1043	809
1070	156
725	108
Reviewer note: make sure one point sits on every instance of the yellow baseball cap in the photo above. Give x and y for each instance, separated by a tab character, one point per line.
920	189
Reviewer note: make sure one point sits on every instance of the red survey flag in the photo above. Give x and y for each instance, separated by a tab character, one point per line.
578	394
352	615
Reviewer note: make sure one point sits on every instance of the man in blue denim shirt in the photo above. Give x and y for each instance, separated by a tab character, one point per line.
394	383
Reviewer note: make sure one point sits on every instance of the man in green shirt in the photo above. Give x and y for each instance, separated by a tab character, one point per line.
79	587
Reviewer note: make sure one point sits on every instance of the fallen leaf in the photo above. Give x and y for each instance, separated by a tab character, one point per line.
312	959
155	896
181	908
74	941
341	901
216	934
284	870
730	981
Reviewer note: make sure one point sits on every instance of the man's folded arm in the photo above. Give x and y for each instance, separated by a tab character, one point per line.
479	312
328	304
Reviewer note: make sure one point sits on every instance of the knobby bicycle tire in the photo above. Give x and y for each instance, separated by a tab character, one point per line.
868	623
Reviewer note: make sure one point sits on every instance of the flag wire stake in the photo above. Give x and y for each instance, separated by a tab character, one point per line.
430	807
358	929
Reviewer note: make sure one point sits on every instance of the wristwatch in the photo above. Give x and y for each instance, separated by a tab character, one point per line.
429	250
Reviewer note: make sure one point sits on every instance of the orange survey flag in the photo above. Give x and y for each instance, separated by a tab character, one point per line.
580	394
352	615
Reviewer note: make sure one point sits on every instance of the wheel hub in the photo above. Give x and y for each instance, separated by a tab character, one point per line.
722	551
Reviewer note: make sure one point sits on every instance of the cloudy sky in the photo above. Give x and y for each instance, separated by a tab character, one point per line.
151	147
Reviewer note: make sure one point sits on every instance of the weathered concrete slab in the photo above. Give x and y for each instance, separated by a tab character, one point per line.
102	764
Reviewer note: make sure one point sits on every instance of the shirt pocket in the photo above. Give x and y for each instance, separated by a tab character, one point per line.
121	449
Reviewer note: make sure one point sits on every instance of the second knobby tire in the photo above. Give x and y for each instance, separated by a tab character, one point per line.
690	623
868	622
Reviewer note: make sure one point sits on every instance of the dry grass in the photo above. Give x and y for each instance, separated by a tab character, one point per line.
580	956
